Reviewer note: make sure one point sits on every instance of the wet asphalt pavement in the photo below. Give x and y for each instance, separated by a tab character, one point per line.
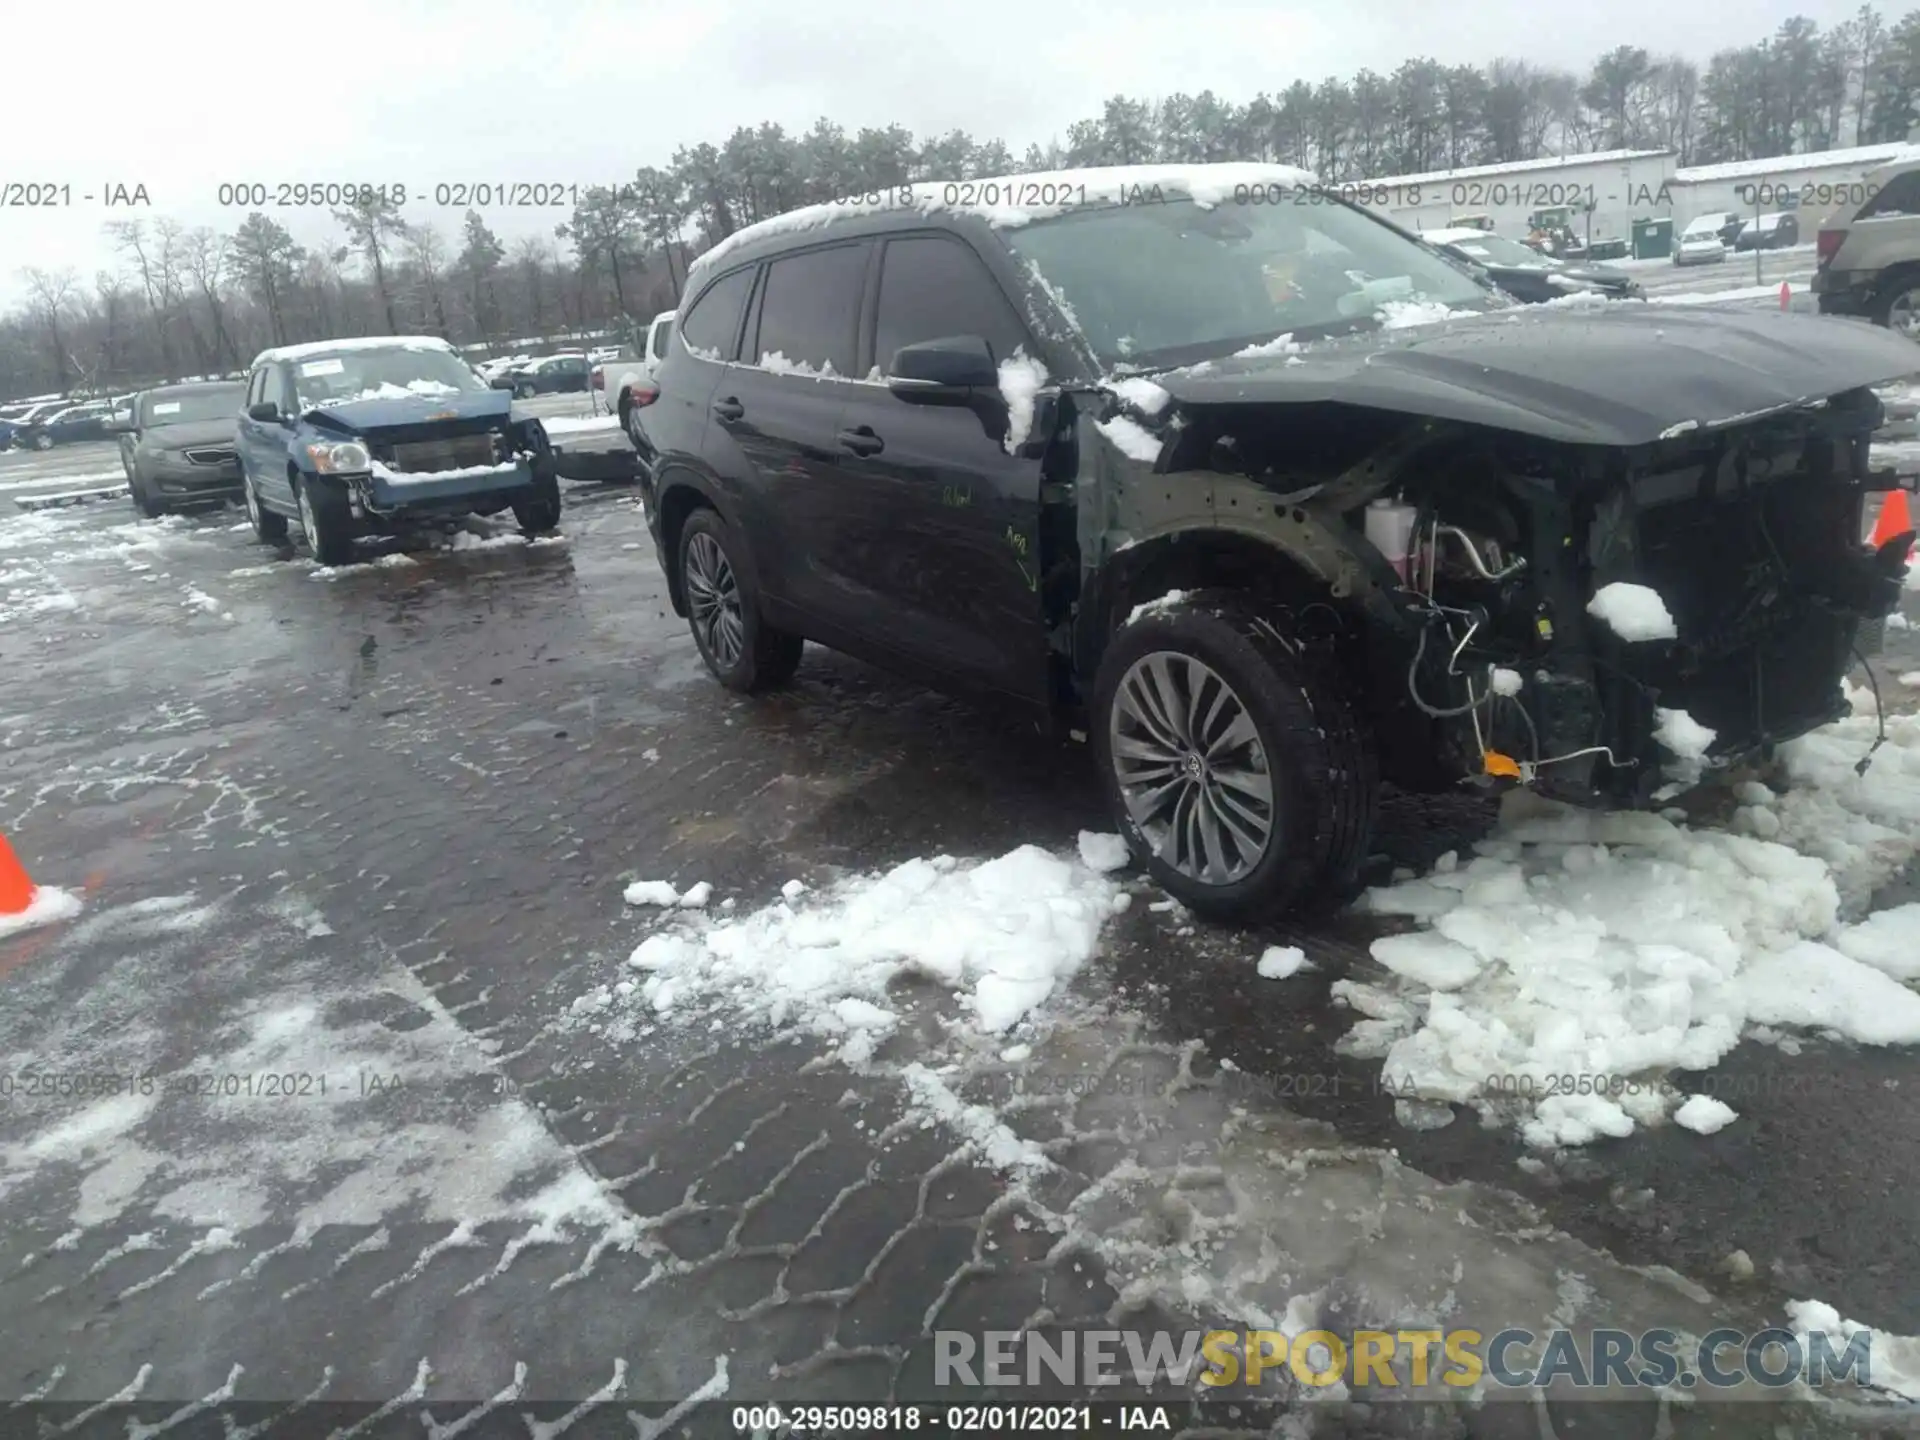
352	849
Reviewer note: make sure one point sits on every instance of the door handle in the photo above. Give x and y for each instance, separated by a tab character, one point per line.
729	408
862	441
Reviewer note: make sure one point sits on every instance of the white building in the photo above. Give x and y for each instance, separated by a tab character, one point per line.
1812	185
1617	186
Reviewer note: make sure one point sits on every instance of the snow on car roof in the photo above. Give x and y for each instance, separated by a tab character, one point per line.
1013	200
355	342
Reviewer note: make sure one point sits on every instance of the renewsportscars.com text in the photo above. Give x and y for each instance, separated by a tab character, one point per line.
1512	1358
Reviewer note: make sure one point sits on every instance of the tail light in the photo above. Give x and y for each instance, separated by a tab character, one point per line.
1829	245
642	394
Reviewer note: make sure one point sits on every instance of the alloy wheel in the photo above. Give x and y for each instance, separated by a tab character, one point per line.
253	503
1903	314
713	602
1191	769
308	523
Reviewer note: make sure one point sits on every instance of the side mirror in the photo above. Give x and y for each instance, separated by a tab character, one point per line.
118	425
266	412
943	372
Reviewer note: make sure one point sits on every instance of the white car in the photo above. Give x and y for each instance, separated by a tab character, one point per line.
1703	242
611	378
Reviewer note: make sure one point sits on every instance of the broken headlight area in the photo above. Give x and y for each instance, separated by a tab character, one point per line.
1749	539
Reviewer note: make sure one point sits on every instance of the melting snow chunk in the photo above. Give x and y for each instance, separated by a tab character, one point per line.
1896	1358
1021	377
1888	940
1682	734
1704	1115
1105	853
1277	962
46	906
1507	682
651	892
1279	345
793	889
1141	393
697	896
1155	607
1132	438
1633	612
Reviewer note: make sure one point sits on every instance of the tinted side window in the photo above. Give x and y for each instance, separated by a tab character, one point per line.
713	325
932	288
1900	197
256	388
275	388
811	310
662	333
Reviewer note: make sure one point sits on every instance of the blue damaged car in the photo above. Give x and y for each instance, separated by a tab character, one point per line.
377	435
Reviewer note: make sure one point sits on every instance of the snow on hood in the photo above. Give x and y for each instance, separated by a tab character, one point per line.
1015	200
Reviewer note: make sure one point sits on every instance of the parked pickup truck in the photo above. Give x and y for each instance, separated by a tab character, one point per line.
370	436
612	379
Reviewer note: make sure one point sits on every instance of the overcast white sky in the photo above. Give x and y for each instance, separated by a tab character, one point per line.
182	97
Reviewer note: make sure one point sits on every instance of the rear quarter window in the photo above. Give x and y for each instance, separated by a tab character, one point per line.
1900	196
712	328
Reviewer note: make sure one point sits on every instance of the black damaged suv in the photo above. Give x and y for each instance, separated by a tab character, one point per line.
1267	499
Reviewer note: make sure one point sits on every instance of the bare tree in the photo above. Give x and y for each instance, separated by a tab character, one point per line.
48	295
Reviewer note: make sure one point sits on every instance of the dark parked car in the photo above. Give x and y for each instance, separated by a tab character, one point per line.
548	375
178	445
1526	274
68	425
1769	232
1264	544
370	436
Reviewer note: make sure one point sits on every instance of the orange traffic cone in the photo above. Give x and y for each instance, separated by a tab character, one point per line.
16	890
1786	295
1894	520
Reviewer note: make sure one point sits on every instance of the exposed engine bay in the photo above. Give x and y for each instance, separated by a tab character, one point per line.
1750	540
1483	552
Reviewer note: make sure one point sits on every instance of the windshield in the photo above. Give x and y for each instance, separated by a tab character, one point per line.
1498	250
1169	283
1705	228
396	374
185	407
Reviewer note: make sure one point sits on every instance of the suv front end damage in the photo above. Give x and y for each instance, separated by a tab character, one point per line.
1460	567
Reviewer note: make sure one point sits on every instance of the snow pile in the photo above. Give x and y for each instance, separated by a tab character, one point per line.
1021	377
1584	950
1704	1115
1002	933
47	905
1865	827
1633	612
1888	940
1132	438
1895	1359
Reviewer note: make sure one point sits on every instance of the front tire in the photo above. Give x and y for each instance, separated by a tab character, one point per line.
143	499
743	651
42	442
539	512
326	520
1899	308
1232	761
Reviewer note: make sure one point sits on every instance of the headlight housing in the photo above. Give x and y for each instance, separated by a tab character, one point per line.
339	457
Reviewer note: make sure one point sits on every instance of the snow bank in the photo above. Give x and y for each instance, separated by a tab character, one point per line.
1633	612
1002	934
1587	951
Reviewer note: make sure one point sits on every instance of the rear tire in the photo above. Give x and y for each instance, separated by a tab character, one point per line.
326	520
1232	761
269	526
743	651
